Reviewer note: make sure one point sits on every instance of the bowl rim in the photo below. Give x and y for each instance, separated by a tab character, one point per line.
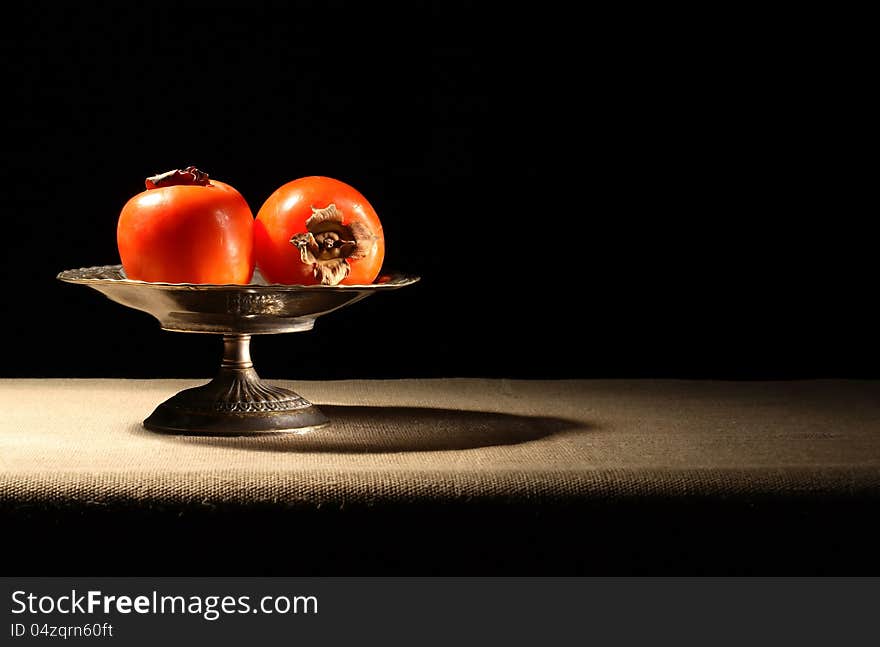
80	275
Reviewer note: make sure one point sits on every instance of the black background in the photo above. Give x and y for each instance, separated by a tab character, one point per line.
639	193
602	196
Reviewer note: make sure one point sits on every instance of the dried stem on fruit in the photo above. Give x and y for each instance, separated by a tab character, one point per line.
328	245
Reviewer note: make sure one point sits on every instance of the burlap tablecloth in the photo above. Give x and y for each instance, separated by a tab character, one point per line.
67	440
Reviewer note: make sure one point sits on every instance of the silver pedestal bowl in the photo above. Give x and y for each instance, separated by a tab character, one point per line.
236	401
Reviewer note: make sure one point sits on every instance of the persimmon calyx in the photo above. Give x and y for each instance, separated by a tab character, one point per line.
328	244
190	176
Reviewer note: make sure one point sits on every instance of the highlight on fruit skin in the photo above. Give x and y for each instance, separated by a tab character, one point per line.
318	231
187	228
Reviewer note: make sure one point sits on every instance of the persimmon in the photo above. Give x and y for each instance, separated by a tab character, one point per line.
317	230
187	228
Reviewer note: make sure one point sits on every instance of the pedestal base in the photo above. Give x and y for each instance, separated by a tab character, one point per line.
236	403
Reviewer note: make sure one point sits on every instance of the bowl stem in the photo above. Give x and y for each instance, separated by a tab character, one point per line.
236	402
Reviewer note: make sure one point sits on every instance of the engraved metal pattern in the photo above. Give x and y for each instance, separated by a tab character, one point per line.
242	303
241	392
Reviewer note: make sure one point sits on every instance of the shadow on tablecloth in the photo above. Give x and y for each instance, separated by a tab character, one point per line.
376	430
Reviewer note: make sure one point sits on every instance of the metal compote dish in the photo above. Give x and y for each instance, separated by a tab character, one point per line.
236	401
